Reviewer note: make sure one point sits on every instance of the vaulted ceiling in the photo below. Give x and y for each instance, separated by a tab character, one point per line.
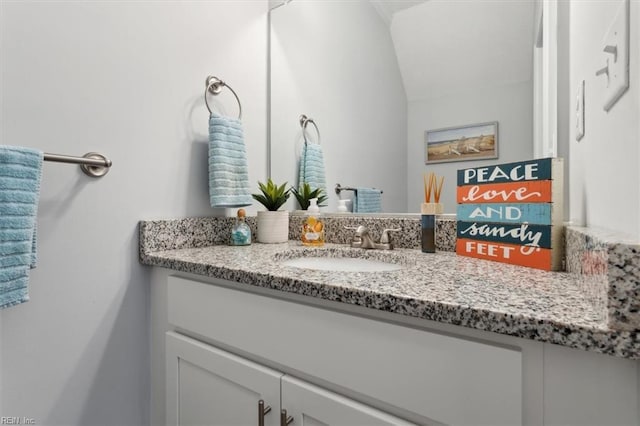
449	46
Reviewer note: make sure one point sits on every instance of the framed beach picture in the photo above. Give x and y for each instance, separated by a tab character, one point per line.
462	143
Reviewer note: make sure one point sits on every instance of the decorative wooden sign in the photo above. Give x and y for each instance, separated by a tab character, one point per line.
512	213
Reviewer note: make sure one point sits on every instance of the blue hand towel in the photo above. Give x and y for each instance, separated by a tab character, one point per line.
228	169
312	167
368	200
20	175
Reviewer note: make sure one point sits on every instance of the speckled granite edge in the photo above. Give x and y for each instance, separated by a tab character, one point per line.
410	235
609	263
172	234
624	344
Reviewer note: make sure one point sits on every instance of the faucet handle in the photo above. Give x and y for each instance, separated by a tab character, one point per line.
386	238
356	236
360	229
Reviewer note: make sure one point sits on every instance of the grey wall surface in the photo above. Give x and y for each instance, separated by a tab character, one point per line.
510	105
125	79
335	62
604	172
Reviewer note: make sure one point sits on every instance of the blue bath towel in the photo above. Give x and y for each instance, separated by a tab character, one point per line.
228	169
368	200
312	167
20	174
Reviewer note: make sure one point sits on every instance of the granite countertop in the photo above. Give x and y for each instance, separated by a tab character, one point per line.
544	306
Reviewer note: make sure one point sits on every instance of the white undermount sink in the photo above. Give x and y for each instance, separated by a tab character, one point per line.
341	264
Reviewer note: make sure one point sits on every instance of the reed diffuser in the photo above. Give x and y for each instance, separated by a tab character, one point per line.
432	186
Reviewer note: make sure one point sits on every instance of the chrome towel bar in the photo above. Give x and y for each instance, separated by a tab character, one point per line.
92	163
340	188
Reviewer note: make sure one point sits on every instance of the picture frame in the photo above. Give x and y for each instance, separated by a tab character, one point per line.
461	143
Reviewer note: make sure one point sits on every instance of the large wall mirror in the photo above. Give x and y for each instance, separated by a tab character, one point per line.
376	75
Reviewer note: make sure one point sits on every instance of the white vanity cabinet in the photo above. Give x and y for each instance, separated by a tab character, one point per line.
420	376
208	386
313	405
219	347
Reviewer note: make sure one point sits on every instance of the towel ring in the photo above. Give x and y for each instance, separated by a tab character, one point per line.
214	86
304	120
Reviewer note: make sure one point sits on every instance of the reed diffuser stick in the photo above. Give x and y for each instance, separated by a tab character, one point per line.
432	177
437	191
433	185
424	179
427	188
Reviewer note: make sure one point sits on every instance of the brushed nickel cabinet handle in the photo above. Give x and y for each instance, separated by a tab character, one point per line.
284	419
262	411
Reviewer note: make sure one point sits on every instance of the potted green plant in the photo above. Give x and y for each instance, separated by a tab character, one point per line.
273	224
305	193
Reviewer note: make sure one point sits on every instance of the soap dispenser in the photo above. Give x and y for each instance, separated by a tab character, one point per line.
342	206
313	226
241	233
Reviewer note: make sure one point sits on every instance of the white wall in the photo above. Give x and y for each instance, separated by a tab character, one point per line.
566	98
604	172
335	62
126	79
510	105
447	46
482	74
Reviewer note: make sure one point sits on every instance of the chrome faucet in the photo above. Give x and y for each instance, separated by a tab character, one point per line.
362	239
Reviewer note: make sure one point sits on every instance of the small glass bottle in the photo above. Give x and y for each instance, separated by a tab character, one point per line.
313	226
241	233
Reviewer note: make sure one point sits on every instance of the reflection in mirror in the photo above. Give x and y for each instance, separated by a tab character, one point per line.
377	75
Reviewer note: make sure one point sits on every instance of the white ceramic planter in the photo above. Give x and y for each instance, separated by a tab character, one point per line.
273	227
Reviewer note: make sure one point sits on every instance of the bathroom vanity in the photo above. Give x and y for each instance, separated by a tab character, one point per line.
443	340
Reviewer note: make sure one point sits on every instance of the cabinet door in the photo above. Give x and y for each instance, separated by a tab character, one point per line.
208	386
310	405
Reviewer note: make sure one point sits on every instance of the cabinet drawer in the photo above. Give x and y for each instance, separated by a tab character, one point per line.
444	378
